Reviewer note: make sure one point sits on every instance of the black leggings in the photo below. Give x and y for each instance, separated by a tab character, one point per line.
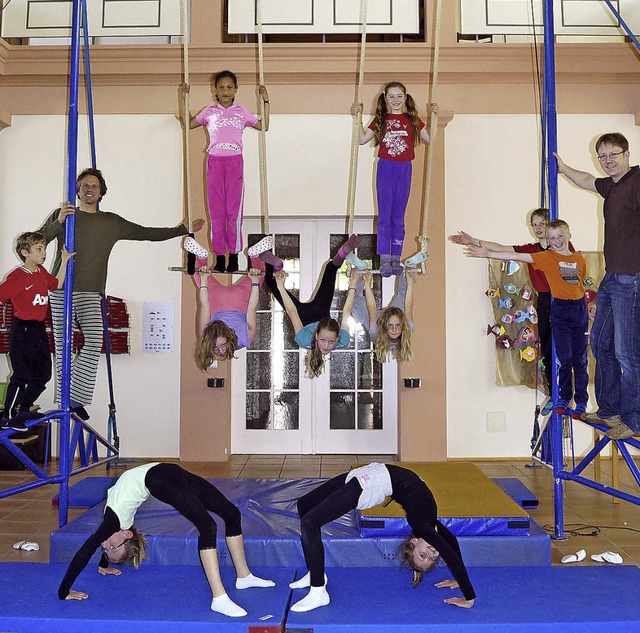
194	497
318	307
325	503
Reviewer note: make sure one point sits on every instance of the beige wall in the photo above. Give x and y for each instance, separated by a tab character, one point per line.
485	178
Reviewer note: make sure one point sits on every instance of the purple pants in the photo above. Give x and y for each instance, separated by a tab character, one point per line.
225	192
393	184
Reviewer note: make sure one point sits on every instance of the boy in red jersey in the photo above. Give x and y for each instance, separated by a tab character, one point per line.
28	289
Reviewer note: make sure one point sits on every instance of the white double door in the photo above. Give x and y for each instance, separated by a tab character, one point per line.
352	407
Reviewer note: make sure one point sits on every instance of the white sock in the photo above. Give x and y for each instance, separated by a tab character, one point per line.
317	597
253	581
223	604
305	581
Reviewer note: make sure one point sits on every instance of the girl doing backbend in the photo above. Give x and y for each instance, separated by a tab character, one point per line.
193	497
365	488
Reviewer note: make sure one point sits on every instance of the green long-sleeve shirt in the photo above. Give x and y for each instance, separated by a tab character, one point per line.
95	237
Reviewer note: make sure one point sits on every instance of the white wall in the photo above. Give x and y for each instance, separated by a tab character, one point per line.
492	180
141	160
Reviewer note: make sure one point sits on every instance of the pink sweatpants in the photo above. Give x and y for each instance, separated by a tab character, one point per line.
234	297
225	191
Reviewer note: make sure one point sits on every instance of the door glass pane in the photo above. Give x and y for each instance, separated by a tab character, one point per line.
369	410
355	377
286	410
342	410
273	360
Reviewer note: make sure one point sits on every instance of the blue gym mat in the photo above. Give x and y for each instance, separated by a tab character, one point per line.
87	492
164	599
523	600
151	599
272	536
517	491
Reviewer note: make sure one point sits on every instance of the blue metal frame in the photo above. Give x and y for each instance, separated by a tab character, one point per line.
80	437
560	474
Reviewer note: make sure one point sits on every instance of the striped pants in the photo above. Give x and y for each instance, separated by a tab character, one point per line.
87	314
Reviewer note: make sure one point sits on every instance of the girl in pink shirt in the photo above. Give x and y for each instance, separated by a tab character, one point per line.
225	121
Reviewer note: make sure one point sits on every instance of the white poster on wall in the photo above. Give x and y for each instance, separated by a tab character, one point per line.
157	327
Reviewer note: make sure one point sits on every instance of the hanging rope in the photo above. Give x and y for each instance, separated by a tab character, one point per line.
422	238
355	133
184	9
262	134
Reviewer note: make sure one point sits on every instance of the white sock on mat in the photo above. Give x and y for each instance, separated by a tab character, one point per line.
223	604
317	597
253	581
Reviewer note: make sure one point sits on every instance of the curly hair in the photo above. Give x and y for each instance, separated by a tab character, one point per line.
380	124
26	241
205	347
135	550
382	347
314	360
405	556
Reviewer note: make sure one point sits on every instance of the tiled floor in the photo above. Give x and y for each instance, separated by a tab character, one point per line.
30	515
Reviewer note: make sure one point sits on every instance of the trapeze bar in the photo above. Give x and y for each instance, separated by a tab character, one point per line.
211	271
356	271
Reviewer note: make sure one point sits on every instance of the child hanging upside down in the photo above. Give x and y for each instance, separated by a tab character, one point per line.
315	329
227	315
390	329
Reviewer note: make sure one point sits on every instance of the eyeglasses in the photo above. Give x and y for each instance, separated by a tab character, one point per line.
603	157
113	548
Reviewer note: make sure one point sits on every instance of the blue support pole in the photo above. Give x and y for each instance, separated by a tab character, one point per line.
552	172
623	24
67	330
87	77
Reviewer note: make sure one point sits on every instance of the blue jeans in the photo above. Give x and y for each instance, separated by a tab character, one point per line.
569	328
615	343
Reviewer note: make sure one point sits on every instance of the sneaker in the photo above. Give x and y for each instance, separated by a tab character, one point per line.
416	260
355	261
265	244
232	266
561	408
220	264
620	432
191	246
12	423
31	415
594	418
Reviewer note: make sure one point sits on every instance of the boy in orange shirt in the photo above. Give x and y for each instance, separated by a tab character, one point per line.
565	272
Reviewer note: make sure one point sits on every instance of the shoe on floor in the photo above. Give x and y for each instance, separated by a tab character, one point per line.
191	246
620	432
15	423
594	418
265	244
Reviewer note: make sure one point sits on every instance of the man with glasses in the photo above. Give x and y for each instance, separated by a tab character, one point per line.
615	336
